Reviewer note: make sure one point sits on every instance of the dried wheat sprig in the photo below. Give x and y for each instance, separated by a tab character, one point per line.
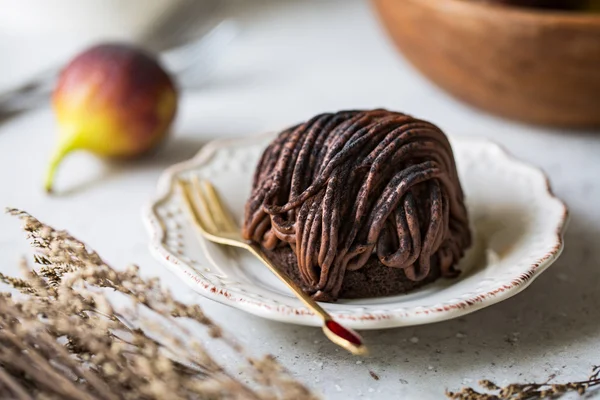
527	391
62	338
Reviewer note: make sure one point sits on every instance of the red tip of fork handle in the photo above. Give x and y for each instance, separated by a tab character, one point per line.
344	333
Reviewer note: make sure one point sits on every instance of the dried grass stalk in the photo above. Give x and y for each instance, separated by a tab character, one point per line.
62	338
528	391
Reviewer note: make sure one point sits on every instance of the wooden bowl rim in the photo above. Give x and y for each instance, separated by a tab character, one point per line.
546	16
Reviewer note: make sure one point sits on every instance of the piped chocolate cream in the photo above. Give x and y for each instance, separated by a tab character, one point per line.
359	204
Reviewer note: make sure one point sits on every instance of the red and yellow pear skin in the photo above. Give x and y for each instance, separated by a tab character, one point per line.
113	100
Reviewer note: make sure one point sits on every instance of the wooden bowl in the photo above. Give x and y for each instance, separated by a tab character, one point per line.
531	65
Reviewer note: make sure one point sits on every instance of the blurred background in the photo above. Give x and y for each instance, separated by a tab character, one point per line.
529	60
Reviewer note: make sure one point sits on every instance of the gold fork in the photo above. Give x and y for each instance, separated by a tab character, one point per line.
216	224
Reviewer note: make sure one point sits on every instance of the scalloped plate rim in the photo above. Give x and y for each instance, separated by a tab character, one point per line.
301	315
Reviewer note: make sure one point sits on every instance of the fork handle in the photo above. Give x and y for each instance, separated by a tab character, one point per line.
305	298
30	94
178	60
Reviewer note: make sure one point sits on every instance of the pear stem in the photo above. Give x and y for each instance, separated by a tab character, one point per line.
64	147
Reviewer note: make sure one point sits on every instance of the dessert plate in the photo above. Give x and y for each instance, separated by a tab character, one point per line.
518	227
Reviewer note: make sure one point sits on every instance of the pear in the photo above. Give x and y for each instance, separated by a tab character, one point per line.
113	100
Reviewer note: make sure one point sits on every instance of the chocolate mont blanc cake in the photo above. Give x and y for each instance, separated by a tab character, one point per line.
359	204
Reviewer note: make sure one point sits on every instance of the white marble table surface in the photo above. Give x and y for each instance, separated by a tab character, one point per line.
292	60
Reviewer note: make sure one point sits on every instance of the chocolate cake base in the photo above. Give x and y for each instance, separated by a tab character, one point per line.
372	280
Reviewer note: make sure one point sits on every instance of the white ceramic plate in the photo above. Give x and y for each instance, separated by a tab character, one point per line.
518	226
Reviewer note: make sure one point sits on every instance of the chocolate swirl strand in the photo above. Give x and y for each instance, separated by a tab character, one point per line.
342	188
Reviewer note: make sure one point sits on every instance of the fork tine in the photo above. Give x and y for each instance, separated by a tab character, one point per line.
218	207
203	206
197	208
215	213
191	205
